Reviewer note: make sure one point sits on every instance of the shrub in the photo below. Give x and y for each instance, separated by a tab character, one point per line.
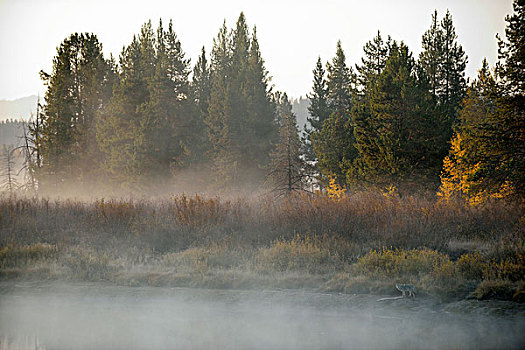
21	256
314	254
471	266
495	289
400	263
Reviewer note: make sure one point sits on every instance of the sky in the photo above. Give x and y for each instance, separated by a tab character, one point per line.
292	33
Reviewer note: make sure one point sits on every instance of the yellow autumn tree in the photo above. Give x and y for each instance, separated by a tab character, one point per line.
467	169
457	171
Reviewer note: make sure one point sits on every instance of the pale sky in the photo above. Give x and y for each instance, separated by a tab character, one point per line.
292	34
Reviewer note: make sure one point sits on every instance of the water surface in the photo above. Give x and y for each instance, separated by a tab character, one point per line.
100	316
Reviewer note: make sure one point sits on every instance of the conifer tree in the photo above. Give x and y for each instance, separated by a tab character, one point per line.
241	115
442	64
333	144
143	131
431	54
318	113
334	147
318	108
286	171
340	83
260	103
200	90
201	85
454	61
393	128
506	130
168	111
376	55
218	110
77	89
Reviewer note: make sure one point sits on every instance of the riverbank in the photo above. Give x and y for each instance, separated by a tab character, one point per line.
361	244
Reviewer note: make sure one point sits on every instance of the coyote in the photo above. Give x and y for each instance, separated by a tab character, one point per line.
404	288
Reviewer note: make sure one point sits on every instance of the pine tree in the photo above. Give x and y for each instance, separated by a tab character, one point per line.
490	161
260	103
442	64
120	131
286	171
512	51
200	89
376	54
241	115
318	108
77	89
219	113
333	144
168	109
340	83
431	54
143	131
506	131
393	129
334	147
201	85
318	113
453	63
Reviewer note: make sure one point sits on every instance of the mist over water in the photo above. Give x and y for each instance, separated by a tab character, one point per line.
95	316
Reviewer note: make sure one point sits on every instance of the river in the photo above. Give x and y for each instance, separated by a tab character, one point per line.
52	315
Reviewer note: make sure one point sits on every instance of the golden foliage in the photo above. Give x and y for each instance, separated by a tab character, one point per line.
458	178
334	190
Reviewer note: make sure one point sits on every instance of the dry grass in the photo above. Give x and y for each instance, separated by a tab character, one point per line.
443	248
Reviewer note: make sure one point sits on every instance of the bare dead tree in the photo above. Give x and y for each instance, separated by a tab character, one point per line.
8	181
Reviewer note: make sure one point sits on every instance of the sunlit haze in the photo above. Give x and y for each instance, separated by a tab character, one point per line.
292	34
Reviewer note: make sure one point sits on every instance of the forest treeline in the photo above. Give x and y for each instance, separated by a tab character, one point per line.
152	119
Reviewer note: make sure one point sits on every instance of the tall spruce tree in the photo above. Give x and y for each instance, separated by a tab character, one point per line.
334	143
261	106
201	85
168	111
241	115
506	131
77	89
143	131
318	108
393	129
334	147
442	64
219	113
200	90
431	55
453	63
318	113
372	64
340	83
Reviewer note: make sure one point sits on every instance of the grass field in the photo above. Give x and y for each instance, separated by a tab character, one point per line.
364	243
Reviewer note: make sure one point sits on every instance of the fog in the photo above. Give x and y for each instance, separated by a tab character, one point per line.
97	316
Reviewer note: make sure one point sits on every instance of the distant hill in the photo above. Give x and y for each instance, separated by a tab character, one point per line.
18	109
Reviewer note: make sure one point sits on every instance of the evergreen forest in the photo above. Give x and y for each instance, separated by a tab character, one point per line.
152	121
